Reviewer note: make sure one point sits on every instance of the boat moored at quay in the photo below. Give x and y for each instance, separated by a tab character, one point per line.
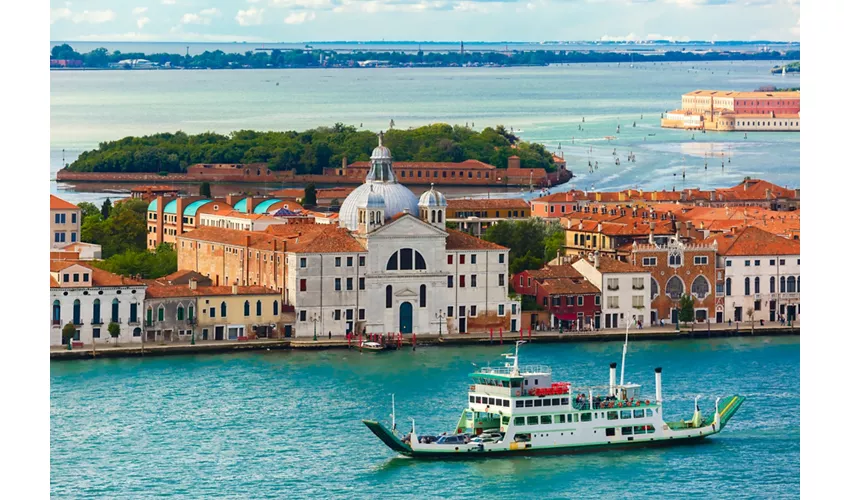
520	410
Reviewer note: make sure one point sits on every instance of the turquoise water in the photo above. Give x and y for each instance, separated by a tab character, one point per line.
275	424
546	103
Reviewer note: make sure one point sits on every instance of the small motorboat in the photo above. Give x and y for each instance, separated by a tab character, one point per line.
373	346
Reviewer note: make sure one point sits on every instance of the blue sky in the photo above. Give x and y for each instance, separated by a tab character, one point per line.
423	20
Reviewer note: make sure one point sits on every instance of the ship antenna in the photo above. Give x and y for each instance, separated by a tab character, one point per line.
625	348
393	396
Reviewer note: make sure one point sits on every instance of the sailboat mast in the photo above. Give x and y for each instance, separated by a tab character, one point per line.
625	348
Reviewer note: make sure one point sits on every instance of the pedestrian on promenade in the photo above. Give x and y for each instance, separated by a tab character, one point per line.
329	334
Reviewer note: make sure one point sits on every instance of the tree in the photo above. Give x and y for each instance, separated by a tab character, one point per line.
309	195
686	309
68	333
532	242
114	331
205	190
106	208
87	209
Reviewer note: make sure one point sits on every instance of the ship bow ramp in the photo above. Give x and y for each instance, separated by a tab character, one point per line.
388	437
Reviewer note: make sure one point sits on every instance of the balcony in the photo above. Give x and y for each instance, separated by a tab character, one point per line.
133	321
637	287
613	287
78	322
97	322
115	320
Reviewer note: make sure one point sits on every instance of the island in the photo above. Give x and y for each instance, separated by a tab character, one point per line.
793	67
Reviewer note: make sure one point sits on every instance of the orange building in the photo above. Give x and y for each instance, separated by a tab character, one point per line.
729	110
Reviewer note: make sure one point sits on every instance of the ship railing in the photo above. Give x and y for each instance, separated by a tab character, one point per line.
528	369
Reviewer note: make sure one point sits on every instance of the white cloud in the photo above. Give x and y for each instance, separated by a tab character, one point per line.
139	10
58	14
142	21
250	17
210	12
299	17
94	16
203	17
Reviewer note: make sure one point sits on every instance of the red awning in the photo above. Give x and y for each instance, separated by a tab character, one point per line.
566	316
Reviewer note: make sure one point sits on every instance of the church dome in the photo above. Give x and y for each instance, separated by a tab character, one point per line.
380	183
432	198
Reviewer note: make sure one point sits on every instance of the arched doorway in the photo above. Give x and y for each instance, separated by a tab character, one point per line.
405	317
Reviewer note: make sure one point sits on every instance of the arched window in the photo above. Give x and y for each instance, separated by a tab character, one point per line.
389	296
191	312
439	216
160	313
180	313
782	284
274	308
150	315
422	296
115	311
405	260
77	312
772	284
137	332
792	284
746	286
798	284
224	309
433	216
259	308
675	287
57	312
700	287
95	312
653	288
728	286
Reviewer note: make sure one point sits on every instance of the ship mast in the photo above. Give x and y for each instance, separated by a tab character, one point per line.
625	348
515	357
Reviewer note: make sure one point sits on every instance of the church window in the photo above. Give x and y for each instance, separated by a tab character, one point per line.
422	296
389	296
406	259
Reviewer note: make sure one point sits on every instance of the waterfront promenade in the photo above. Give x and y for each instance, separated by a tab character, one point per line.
340	342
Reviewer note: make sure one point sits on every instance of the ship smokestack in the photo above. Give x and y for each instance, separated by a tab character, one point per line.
612	379
658	385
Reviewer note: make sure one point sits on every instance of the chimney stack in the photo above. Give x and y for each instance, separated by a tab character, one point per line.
193	284
235	289
612	378
658	385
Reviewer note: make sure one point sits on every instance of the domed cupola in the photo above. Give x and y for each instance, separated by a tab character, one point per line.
380	182
370	212
432	207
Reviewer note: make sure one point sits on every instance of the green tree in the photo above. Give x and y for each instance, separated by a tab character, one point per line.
686	309
309	195
87	209
532	242
205	190
751	315
114	331
68	332
148	265
106	208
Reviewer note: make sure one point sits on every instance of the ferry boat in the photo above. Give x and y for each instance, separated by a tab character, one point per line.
516	410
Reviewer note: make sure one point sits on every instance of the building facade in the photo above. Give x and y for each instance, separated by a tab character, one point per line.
65	222
625	289
474	216
91	299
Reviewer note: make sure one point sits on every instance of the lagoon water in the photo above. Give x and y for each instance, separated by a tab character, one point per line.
287	424
542	104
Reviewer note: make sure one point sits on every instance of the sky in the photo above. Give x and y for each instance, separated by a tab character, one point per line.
423	20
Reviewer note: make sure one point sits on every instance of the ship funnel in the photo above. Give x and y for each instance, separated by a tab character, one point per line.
658	385
612	379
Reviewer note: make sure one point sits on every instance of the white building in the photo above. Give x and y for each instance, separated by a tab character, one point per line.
90	299
396	268
625	289
65	222
758	272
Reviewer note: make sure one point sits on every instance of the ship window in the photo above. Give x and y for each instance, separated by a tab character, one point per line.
547	402
638	413
538	402
556	402
626	414
560	419
610	431
546	419
519	420
516	383
640	429
533	420
506	420
471	399
565	401
648	412
612	415
520	403
492	401
498	402
650	429
626	431
585	417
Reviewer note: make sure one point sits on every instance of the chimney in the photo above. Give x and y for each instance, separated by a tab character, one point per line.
596	260
344	162
193	284
235	289
711	195
229	199
612	378
513	162
246	241
767	193
249	205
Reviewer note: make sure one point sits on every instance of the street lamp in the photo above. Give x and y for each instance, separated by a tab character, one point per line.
315	320
440	317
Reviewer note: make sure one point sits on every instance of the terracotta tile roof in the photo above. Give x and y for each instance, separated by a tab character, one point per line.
57	203
256	239
183	275
554	272
754	189
483	204
64	255
159	291
288	193
325	238
99	277
53	283
754	241
795	94
458	240
564	197
610	265
569	286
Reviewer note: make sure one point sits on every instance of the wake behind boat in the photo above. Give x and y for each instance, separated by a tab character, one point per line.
517	410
